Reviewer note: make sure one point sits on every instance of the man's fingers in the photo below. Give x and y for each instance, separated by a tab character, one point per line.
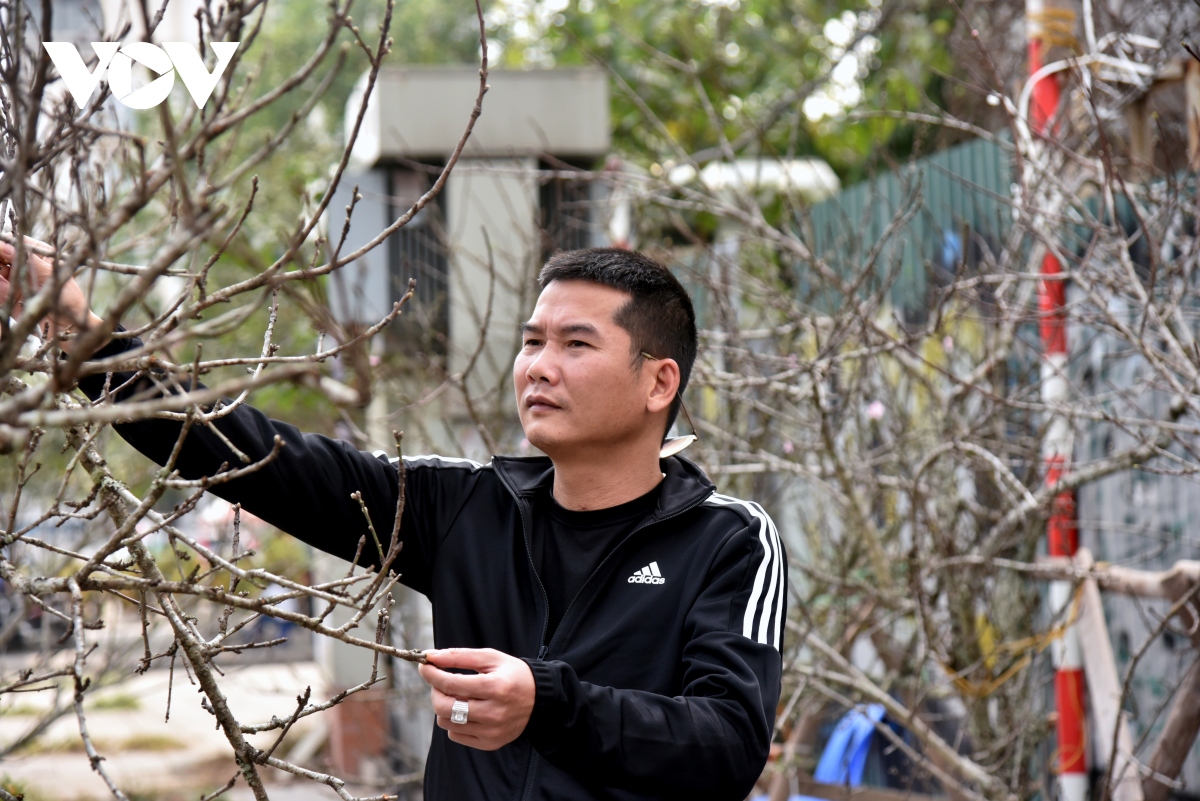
36	274
479	710
499	697
6	259
463	735
442	703
481	659
462	738
454	684
35	251
5	288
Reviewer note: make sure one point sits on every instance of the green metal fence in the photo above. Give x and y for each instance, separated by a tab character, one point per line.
962	211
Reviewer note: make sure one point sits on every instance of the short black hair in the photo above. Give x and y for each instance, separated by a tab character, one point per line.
659	315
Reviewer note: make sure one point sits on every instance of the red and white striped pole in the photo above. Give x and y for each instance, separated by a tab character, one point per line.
1061	533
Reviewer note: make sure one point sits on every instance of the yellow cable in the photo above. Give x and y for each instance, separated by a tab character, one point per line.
1036	643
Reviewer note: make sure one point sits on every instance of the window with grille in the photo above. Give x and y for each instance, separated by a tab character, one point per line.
418	250
76	21
566	206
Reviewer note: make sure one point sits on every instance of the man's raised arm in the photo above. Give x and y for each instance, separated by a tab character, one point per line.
305	490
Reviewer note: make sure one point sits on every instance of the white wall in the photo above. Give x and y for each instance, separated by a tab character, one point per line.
360	291
496	200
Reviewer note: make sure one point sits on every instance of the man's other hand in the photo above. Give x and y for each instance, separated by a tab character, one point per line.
69	314
499	696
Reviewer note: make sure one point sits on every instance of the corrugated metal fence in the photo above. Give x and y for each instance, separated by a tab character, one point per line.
963	195
1138	517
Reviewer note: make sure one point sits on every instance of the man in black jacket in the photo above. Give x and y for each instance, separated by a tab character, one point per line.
621	619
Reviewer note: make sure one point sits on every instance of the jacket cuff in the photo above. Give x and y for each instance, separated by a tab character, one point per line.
548	719
93	385
115	346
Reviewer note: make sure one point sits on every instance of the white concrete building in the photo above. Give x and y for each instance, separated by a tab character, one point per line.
498	194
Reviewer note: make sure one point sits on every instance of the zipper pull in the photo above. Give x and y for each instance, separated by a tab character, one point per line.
542	652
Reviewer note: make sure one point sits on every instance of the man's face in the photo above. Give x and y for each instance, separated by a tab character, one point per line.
575	384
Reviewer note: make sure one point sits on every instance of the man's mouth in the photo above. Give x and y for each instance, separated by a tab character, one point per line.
540	403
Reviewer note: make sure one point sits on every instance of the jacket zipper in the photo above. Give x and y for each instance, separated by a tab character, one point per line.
531	771
527	793
529	555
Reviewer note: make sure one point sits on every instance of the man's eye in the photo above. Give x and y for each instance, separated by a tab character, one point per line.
532	343
575	343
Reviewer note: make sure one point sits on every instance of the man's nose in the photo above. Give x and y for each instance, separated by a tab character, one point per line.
542	367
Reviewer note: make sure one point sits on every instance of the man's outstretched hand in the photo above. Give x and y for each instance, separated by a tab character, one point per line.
499	696
70	314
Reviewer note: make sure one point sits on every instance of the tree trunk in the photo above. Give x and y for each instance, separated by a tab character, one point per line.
1177	737
802	736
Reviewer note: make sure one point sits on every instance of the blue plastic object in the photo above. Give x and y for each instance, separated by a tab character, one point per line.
845	756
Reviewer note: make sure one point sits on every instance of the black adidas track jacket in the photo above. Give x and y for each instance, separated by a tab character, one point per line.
651	689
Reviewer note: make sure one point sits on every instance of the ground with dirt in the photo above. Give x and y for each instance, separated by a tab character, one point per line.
155	759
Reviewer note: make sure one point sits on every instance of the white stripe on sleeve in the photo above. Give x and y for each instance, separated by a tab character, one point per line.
451	461
769	577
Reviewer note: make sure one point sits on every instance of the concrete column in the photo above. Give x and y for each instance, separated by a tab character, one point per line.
491	200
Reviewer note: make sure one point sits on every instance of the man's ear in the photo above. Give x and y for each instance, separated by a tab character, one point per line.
666	385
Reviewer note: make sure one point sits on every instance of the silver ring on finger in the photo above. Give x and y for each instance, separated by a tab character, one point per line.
458	712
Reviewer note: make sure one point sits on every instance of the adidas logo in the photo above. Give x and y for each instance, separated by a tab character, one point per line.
648	575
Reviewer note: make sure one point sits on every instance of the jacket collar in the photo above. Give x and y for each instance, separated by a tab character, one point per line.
684	487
